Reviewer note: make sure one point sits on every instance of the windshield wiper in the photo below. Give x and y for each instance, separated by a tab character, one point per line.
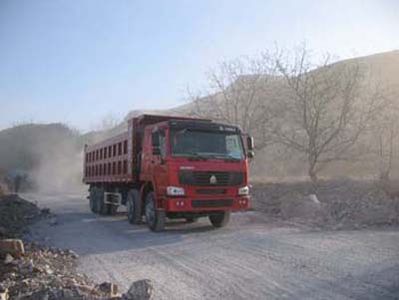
225	157
196	156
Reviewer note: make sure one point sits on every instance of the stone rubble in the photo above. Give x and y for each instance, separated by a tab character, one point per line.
50	273
30	271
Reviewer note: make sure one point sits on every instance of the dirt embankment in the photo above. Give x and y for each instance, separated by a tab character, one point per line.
333	204
29	270
16	215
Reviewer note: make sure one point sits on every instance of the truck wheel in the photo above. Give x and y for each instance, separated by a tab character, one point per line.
102	207
92	201
220	219
155	219
133	205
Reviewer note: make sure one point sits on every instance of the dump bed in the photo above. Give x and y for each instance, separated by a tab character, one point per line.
116	159
109	160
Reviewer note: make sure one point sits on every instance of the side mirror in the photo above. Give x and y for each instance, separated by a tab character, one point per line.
251	154
250	143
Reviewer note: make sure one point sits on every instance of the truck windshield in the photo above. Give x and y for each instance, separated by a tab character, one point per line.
206	144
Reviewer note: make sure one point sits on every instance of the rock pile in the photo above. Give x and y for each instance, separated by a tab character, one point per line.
50	273
16	214
33	271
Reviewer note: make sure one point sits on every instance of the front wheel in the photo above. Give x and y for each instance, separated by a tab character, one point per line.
155	218
133	205
220	219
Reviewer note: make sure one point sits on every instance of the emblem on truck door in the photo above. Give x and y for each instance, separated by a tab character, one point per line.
213	180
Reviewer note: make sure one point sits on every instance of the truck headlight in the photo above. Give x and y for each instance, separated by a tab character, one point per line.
175	191
243	191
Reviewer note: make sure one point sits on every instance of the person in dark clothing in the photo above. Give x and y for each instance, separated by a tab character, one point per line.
17	183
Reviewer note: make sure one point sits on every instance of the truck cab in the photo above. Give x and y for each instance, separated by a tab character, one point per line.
197	169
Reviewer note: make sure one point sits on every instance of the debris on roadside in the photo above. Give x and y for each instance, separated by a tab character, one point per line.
29	270
16	214
50	273
13	247
47	273
336	204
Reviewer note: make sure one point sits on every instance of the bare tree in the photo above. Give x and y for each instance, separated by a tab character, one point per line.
239	94
326	109
384	141
107	122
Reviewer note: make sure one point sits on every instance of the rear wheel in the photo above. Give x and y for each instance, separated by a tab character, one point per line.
101	206
92	200
155	218
133	205
220	219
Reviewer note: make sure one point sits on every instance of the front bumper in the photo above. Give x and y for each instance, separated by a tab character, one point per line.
187	204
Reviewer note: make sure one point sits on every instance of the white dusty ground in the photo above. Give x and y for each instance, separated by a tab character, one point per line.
252	258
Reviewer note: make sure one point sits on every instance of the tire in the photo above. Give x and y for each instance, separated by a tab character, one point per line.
101	206
155	219
220	220
133	205
191	220
92	200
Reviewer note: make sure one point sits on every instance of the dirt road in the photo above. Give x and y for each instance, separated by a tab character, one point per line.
250	259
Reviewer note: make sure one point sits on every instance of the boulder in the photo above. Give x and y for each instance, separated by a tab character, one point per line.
45	211
14	247
4	293
108	288
72	253
9	259
139	290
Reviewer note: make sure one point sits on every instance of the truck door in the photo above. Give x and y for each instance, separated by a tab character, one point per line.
146	157
158	165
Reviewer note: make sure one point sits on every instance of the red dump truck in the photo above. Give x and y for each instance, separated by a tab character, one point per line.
170	167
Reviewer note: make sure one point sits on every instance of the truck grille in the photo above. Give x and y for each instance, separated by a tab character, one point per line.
212	203
209	178
211	191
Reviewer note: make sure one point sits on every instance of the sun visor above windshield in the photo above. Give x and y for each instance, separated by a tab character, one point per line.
203	126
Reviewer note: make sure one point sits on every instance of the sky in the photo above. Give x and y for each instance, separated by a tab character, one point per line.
78	62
